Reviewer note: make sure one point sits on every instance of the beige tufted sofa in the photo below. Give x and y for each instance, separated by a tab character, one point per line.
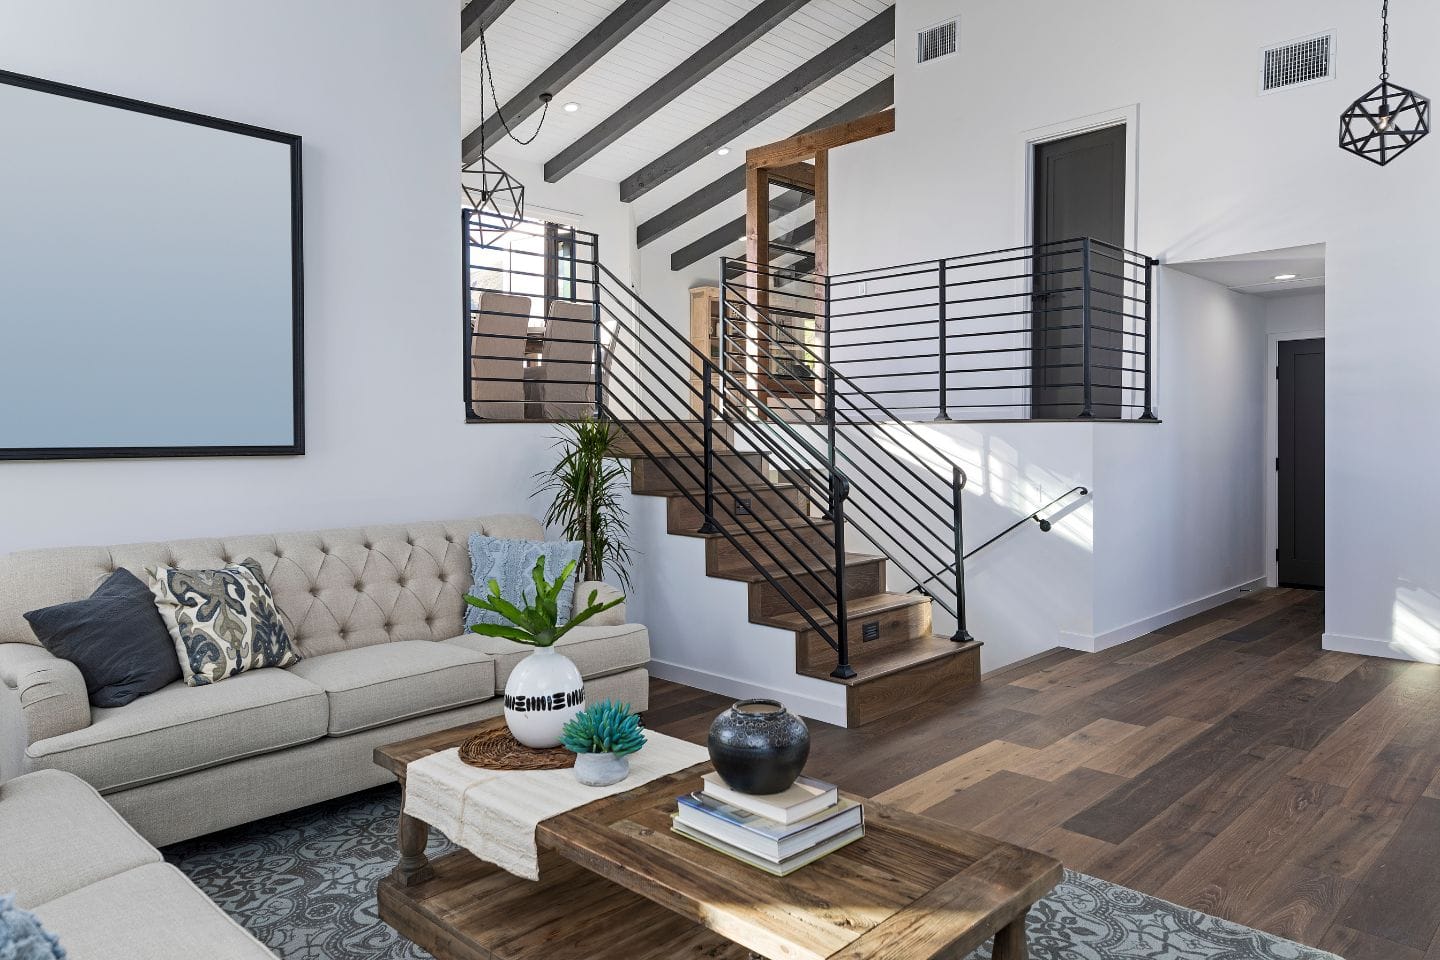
377	615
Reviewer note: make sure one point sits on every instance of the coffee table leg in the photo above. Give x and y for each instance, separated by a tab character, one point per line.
413	867
1010	941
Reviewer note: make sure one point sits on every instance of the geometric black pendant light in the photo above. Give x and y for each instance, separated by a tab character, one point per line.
1388	119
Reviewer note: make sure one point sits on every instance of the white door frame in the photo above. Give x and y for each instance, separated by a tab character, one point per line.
1272	448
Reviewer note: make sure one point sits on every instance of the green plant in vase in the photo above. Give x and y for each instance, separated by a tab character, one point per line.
586	483
602	738
545	689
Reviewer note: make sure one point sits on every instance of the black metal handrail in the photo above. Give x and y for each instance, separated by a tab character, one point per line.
1044	523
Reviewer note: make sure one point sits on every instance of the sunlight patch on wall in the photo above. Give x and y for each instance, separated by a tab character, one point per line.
1415	624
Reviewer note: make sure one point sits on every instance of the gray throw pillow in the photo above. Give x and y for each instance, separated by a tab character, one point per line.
115	636
510	562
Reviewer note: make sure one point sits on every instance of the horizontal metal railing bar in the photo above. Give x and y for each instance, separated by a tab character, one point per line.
884	293
879	310
932	338
511	272
748	286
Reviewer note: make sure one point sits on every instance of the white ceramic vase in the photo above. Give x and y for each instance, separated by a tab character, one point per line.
544	691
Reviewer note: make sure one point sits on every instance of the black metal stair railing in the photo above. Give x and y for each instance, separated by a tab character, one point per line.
909	492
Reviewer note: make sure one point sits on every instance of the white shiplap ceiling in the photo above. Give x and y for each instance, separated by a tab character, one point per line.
532	34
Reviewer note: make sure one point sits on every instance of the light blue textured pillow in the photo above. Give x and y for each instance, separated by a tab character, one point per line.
22	937
509	562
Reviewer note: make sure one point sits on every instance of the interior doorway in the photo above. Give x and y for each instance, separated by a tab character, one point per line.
1300	465
1079	189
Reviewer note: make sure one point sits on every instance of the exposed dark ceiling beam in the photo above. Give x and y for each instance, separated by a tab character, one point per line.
479	15
700	64
579	58
835	60
732	184
734	231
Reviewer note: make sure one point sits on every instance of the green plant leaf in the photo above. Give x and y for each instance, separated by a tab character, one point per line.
507	633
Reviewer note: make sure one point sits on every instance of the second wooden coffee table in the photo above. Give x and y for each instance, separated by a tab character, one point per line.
615	882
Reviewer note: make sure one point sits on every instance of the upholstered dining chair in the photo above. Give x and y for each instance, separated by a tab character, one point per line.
497	350
563	386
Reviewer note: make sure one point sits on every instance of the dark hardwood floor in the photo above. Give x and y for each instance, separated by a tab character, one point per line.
1225	763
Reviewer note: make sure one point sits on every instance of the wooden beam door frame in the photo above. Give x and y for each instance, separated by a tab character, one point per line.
801	161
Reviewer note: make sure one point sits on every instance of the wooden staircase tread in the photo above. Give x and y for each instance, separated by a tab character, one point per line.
747	573
903	656
859	608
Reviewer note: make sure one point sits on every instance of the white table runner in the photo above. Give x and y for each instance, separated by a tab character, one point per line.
494	813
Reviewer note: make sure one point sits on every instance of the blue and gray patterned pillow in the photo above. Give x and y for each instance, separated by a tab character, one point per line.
510	562
22	937
223	621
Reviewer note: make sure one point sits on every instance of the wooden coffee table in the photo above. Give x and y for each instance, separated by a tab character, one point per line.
617	883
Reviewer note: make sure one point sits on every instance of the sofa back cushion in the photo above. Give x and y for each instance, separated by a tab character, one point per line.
336	589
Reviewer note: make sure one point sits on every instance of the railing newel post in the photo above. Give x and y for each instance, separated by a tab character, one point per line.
1149	411
839	490
944	343
957	492
707	428
599	364
1087	410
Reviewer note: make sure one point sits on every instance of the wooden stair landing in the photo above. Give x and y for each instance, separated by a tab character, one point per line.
898	659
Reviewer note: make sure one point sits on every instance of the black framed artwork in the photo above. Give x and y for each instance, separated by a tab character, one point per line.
151	280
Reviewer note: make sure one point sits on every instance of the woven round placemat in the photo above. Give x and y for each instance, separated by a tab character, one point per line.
498	750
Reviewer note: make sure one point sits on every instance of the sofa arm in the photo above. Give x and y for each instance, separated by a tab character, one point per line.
49	691
604	593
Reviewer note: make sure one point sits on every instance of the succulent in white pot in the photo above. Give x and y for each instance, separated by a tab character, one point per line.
602	738
545	689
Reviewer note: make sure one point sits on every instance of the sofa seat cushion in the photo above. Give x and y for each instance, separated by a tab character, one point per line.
371	686
182	728
57	836
596	651
152	911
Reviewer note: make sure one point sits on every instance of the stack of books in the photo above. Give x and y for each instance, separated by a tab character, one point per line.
778	833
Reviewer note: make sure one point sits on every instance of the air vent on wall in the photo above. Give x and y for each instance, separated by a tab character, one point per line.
1297	63
938	41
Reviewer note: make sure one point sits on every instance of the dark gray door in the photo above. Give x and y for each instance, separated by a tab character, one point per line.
1301	465
1079	192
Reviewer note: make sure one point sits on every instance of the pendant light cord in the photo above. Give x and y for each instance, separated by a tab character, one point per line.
490	81
1384	39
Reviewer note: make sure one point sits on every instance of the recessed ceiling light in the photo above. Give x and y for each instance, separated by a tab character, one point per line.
571	107
1285	276
723	152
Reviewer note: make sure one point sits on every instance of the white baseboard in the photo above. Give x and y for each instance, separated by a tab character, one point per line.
1370	647
807	706
1111	638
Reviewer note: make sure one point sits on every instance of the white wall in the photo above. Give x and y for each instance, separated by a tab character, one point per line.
1221	171
373	87
1179	506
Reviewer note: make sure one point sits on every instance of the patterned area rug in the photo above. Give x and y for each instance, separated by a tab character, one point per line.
304	884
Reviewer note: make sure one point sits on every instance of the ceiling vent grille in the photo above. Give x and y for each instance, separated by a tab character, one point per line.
938	41
1298	63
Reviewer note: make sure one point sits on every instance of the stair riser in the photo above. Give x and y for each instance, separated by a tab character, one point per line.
803	545
862	579
786	506
897	627
905	688
648	477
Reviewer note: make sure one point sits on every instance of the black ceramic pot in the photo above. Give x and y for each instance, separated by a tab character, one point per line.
758	746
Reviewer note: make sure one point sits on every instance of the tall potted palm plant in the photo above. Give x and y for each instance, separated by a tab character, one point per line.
586	482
